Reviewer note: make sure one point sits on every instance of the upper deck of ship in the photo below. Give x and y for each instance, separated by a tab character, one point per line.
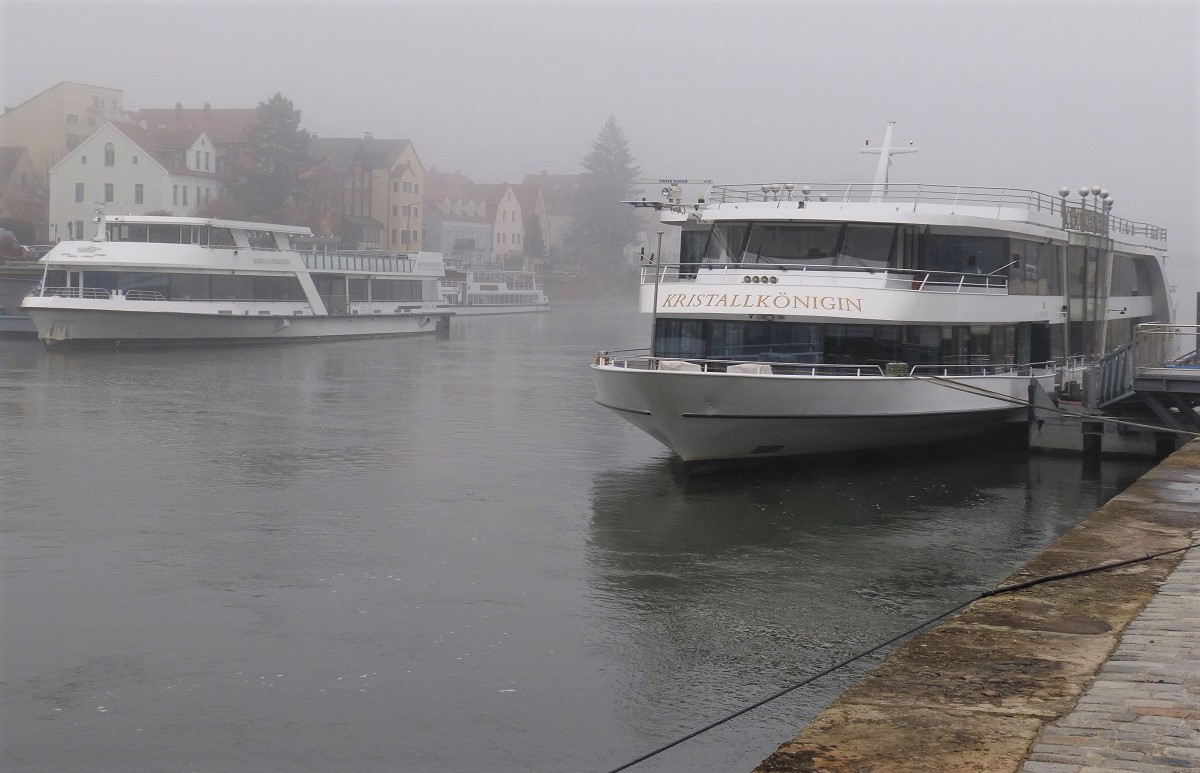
1011	210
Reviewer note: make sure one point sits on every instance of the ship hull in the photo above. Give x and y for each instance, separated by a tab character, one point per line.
718	416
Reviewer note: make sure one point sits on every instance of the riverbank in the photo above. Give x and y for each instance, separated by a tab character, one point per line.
997	684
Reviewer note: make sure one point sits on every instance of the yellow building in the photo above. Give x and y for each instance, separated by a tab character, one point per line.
375	191
54	122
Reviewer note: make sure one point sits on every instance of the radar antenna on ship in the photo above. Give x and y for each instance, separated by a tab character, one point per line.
885	153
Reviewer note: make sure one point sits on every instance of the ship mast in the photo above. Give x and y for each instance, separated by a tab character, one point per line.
879	188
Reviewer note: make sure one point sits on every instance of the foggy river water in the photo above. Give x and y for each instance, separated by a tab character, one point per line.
439	554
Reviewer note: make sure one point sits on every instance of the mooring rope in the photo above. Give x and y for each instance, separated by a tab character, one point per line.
866	653
984	392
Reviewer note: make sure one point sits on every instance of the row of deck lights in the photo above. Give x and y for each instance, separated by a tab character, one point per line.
771	191
1099	194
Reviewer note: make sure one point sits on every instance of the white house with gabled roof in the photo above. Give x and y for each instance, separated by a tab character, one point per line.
130	169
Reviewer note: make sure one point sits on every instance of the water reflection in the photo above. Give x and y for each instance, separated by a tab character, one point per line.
721	588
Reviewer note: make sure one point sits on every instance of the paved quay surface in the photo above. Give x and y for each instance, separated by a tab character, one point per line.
1096	672
1143	711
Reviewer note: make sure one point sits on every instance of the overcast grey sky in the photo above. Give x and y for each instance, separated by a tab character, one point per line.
999	93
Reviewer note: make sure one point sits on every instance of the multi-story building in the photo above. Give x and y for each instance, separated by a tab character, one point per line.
374	191
128	169
54	122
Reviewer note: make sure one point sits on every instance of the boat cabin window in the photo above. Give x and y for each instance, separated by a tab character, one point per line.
1036	268
725	242
959	254
165	233
1131	276
220	237
261	240
128	232
772	243
866	245
822	244
139	285
834	344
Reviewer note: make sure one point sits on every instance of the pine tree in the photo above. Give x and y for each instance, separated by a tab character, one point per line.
276	171
602	226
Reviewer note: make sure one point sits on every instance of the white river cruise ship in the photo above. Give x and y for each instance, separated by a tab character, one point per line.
159	279
806	319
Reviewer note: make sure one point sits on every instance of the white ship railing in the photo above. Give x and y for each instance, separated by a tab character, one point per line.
733	274
1162	346
915	195
641	359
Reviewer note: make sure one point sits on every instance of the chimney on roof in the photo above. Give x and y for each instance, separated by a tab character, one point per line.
207	110
179	108
368	135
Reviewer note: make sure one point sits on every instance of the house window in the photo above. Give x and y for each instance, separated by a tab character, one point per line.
393	236
405	236
83	159
197	159
416	188
135	160
110	154
408	187
415	213
407	210
78	229
183	189
108	193
78	193
393	214
174	194
98	102
206	156
138	194
395	188
198	199
72	119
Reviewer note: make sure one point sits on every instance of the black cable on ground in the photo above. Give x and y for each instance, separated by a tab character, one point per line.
848	661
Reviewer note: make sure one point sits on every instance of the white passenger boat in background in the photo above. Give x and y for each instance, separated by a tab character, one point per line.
466	292
157	280
804	319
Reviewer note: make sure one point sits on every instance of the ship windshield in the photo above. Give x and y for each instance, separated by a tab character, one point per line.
822	244
775	243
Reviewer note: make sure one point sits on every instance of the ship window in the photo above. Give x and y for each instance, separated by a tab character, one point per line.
1036	269
128	232
357	289
679	338
126	281
964	254
725	242
866	245
220	237
189	287
395	290
810	244
261	240
277	288
161	233
231	288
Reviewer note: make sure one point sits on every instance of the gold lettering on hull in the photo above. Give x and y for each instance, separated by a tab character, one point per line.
758	302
